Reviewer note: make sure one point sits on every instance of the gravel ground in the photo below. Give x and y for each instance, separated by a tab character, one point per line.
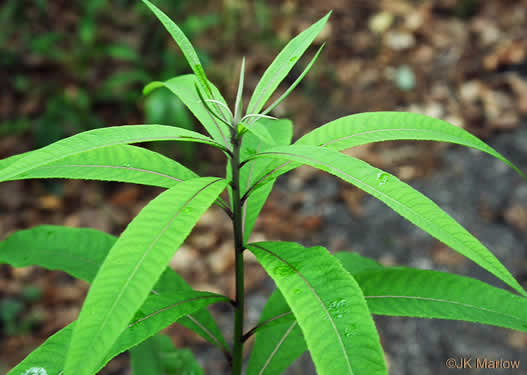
486	197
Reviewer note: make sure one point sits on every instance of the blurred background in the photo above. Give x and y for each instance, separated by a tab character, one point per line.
71	66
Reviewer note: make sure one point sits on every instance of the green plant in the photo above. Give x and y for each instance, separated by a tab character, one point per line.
323	302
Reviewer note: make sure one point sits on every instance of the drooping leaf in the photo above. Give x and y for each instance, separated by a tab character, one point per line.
368	127
157	313
121	163
400	197
440	295
184	88
393	292
133	266
183	43
328	306
282	65
98	139
77	251
80	252
282	133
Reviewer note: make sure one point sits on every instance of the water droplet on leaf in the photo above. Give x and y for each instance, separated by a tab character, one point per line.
283	270
337	305
382	178
35	371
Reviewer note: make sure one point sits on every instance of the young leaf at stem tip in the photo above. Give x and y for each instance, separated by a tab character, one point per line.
239	95
282	65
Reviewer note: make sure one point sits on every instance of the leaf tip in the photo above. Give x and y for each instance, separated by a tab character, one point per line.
152	86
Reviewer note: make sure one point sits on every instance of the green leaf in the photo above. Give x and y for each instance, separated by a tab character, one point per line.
157	313
121	163
145	358
238	105
133	266
184	44
328	305
77	251
158	355
184	88
282	65
259	130
297	81
200	321
400	197
282	133
97	139
394	292
368	127
279	340
80	253
440	295
11	159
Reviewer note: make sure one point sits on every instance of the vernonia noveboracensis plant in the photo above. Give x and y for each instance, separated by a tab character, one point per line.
323	302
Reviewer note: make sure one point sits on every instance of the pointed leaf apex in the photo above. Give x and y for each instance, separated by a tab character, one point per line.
152	86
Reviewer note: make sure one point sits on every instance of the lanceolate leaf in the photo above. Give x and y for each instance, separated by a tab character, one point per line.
368	127
121	163
297	81
440	295
282	133
157	313
282	65
133	266
328	305
97	139
393	292
77	251
183	43
184	88
279	340
402	198
80	253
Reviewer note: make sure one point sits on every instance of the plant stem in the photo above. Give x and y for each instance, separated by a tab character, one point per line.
237	352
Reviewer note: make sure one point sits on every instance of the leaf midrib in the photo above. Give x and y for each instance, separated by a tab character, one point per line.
439	300
434	131
165	228
275	350
395	202
107	166
317	297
